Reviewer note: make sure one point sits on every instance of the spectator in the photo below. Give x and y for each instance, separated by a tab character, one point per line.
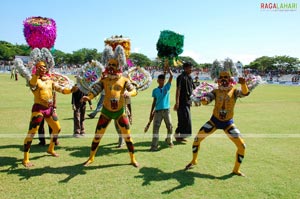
184	88
160	110
79	108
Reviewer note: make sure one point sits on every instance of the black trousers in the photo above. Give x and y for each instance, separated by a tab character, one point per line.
41	132
184	126
78	118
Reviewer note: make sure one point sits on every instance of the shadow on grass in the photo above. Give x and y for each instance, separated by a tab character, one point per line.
70	171
81	151
86	118
11	164
35	148
147	144
107	150
12	146
68	118
162	145
185	178
9	161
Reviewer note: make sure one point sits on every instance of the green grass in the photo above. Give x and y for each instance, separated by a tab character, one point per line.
268	119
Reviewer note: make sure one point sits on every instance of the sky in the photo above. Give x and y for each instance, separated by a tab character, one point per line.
238	29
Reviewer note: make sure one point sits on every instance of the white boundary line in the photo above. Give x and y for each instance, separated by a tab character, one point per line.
161	135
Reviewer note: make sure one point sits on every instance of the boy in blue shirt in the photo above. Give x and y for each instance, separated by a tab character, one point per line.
160	110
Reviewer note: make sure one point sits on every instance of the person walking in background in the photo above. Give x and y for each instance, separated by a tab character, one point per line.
184	89
160	110
12	72
16	74
79	108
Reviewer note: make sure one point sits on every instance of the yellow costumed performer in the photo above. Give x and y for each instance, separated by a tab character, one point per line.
116	88
40	34
42	87
225	97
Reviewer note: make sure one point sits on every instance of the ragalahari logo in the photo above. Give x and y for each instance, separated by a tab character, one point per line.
284	6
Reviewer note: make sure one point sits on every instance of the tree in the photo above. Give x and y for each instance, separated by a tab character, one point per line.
78	57
189	59
59	57
23	50
253	65
67	58
158	62
7	51
84	55
282	63
263	64
139	59
155	62
286	63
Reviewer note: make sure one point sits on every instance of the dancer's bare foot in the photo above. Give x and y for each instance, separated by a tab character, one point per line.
27	164
189	166
53	153
88	162
135	164
238	173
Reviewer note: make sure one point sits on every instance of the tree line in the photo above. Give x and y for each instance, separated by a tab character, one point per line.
283	63
8	52
78	57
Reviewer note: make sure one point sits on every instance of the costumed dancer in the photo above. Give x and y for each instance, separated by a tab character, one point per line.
40	34
138	76
42	86
114	86
114	41
225	97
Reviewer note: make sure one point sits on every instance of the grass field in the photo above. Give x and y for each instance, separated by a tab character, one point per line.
269	120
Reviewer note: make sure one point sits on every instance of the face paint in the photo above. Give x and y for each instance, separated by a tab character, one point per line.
41	67
224	79
112	67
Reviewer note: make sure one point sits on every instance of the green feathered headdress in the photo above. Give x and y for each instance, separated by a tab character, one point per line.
169	44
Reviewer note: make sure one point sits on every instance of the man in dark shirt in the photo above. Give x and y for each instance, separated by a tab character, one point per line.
184	89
